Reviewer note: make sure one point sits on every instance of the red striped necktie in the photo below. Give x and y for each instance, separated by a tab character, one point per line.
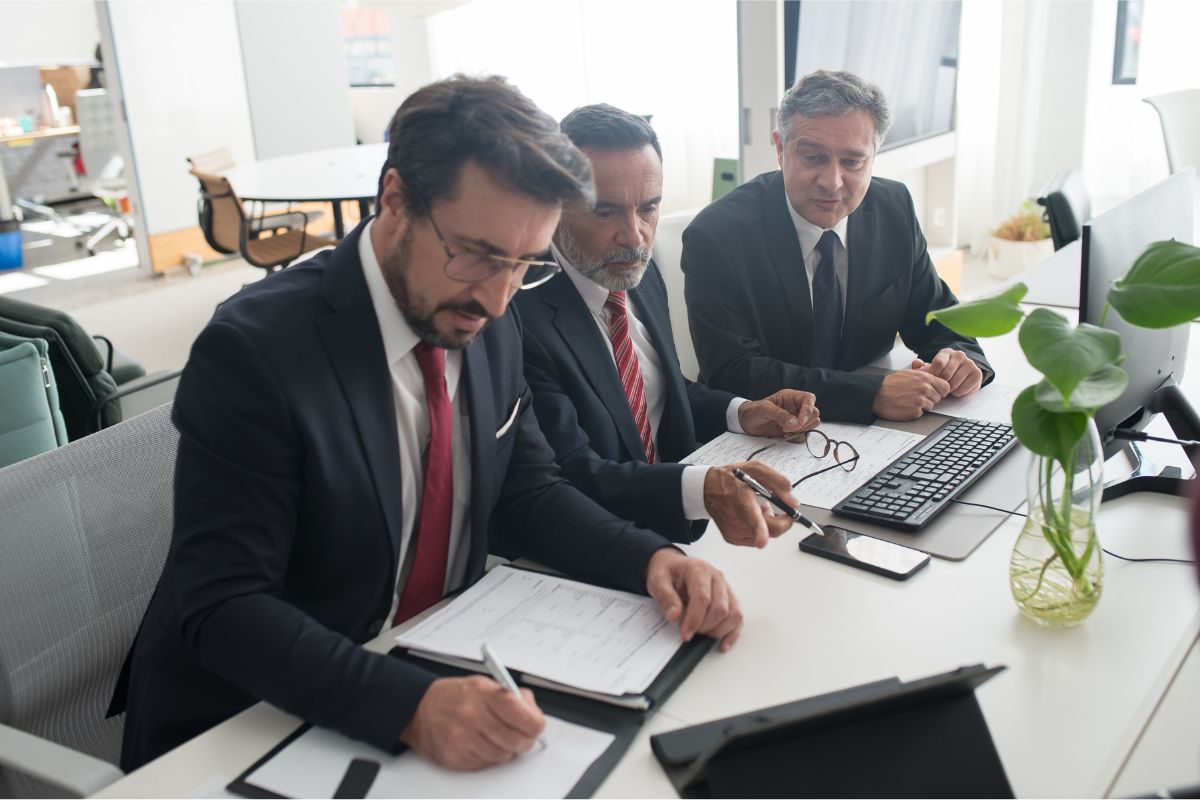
628	369
427	578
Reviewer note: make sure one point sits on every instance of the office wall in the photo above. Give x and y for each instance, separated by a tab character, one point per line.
48	32
374	106
181	72
673	60
295	75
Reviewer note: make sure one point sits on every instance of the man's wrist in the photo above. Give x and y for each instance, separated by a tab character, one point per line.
733	419
691	485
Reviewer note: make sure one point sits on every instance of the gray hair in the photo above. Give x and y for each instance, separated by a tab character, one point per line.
832	94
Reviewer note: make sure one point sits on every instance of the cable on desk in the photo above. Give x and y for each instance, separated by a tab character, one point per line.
1130	435
1105	549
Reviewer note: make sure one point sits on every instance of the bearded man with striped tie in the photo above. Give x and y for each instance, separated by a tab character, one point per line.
601	361
801	276
353	428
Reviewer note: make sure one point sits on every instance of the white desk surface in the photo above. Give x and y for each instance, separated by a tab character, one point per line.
341	173
1065	716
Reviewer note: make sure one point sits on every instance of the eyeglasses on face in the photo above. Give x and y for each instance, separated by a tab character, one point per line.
471	267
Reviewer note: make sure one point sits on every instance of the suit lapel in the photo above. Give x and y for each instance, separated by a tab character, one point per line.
480	398
783	247
574	322
350	334
860	231
676	431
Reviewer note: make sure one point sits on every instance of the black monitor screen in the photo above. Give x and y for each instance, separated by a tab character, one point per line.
908	48
1112	241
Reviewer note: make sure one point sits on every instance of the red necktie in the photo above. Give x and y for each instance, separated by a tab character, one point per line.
628	369
427	578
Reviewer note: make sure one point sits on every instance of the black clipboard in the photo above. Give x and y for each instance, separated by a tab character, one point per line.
927	738
622	723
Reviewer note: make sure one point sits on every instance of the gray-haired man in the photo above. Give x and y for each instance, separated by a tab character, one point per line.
802	275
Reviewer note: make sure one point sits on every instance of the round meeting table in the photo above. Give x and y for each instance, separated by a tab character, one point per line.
320	176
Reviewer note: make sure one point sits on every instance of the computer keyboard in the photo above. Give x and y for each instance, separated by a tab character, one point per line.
918	485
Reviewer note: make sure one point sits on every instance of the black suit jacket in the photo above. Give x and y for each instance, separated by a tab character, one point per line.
750	311
585	416
288	520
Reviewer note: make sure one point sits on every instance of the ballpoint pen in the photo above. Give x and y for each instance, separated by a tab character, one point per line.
775	500
501	675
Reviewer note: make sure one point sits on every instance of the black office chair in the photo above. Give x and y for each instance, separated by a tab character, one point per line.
90	384
1068	206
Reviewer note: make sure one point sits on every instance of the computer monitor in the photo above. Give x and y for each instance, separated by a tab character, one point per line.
1112	241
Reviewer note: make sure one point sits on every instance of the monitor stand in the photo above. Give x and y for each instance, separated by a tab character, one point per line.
1170	401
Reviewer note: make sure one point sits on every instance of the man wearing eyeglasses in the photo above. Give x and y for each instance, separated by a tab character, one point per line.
801	276
600	358
351	430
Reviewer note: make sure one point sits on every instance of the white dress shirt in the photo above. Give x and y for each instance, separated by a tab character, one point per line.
412	424
653	377
809	236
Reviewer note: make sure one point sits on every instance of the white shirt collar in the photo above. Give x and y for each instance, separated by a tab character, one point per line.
398	338
594	295
811	234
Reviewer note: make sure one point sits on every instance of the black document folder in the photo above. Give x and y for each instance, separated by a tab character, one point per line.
927	738
623	723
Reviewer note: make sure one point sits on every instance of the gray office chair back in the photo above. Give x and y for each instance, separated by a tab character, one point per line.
84	533
1179	113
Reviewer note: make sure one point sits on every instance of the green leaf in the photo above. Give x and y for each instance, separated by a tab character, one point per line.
1096	390
987	316
1044	432
1162	288
1064	354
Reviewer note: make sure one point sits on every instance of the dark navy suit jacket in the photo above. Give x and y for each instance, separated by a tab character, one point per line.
287	514
582	408
750	311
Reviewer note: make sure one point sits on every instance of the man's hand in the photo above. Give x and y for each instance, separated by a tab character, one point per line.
784	413
738	511
472	723
956	368
908	393
696	591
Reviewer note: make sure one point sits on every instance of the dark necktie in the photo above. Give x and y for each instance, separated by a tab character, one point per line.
427	578
629	369
827	304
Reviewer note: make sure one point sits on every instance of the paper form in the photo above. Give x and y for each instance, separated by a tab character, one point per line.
992	403
877	447
602	640
313	766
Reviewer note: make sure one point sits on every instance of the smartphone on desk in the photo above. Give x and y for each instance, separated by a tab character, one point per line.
865	552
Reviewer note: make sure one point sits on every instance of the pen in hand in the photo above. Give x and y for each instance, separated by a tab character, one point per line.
776	501
501	675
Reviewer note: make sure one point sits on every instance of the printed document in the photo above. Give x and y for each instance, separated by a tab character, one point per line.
877	447
601	640
992	403
313	766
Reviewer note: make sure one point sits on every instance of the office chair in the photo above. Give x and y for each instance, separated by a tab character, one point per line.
228	229
1179	113
85	530
99	146
90	383
668	250
215	162
1068	206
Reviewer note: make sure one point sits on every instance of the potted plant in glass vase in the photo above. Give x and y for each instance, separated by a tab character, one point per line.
1056	569
1018	242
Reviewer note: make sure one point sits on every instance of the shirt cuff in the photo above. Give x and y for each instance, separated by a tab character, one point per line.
692	484
731	416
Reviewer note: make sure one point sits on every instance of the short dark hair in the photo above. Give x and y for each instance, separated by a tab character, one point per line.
831	94
606	127
440	127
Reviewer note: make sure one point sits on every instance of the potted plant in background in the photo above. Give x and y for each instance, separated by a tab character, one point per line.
1056	568
1019	242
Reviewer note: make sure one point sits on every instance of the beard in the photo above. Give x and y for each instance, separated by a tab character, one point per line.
597	269
419	316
